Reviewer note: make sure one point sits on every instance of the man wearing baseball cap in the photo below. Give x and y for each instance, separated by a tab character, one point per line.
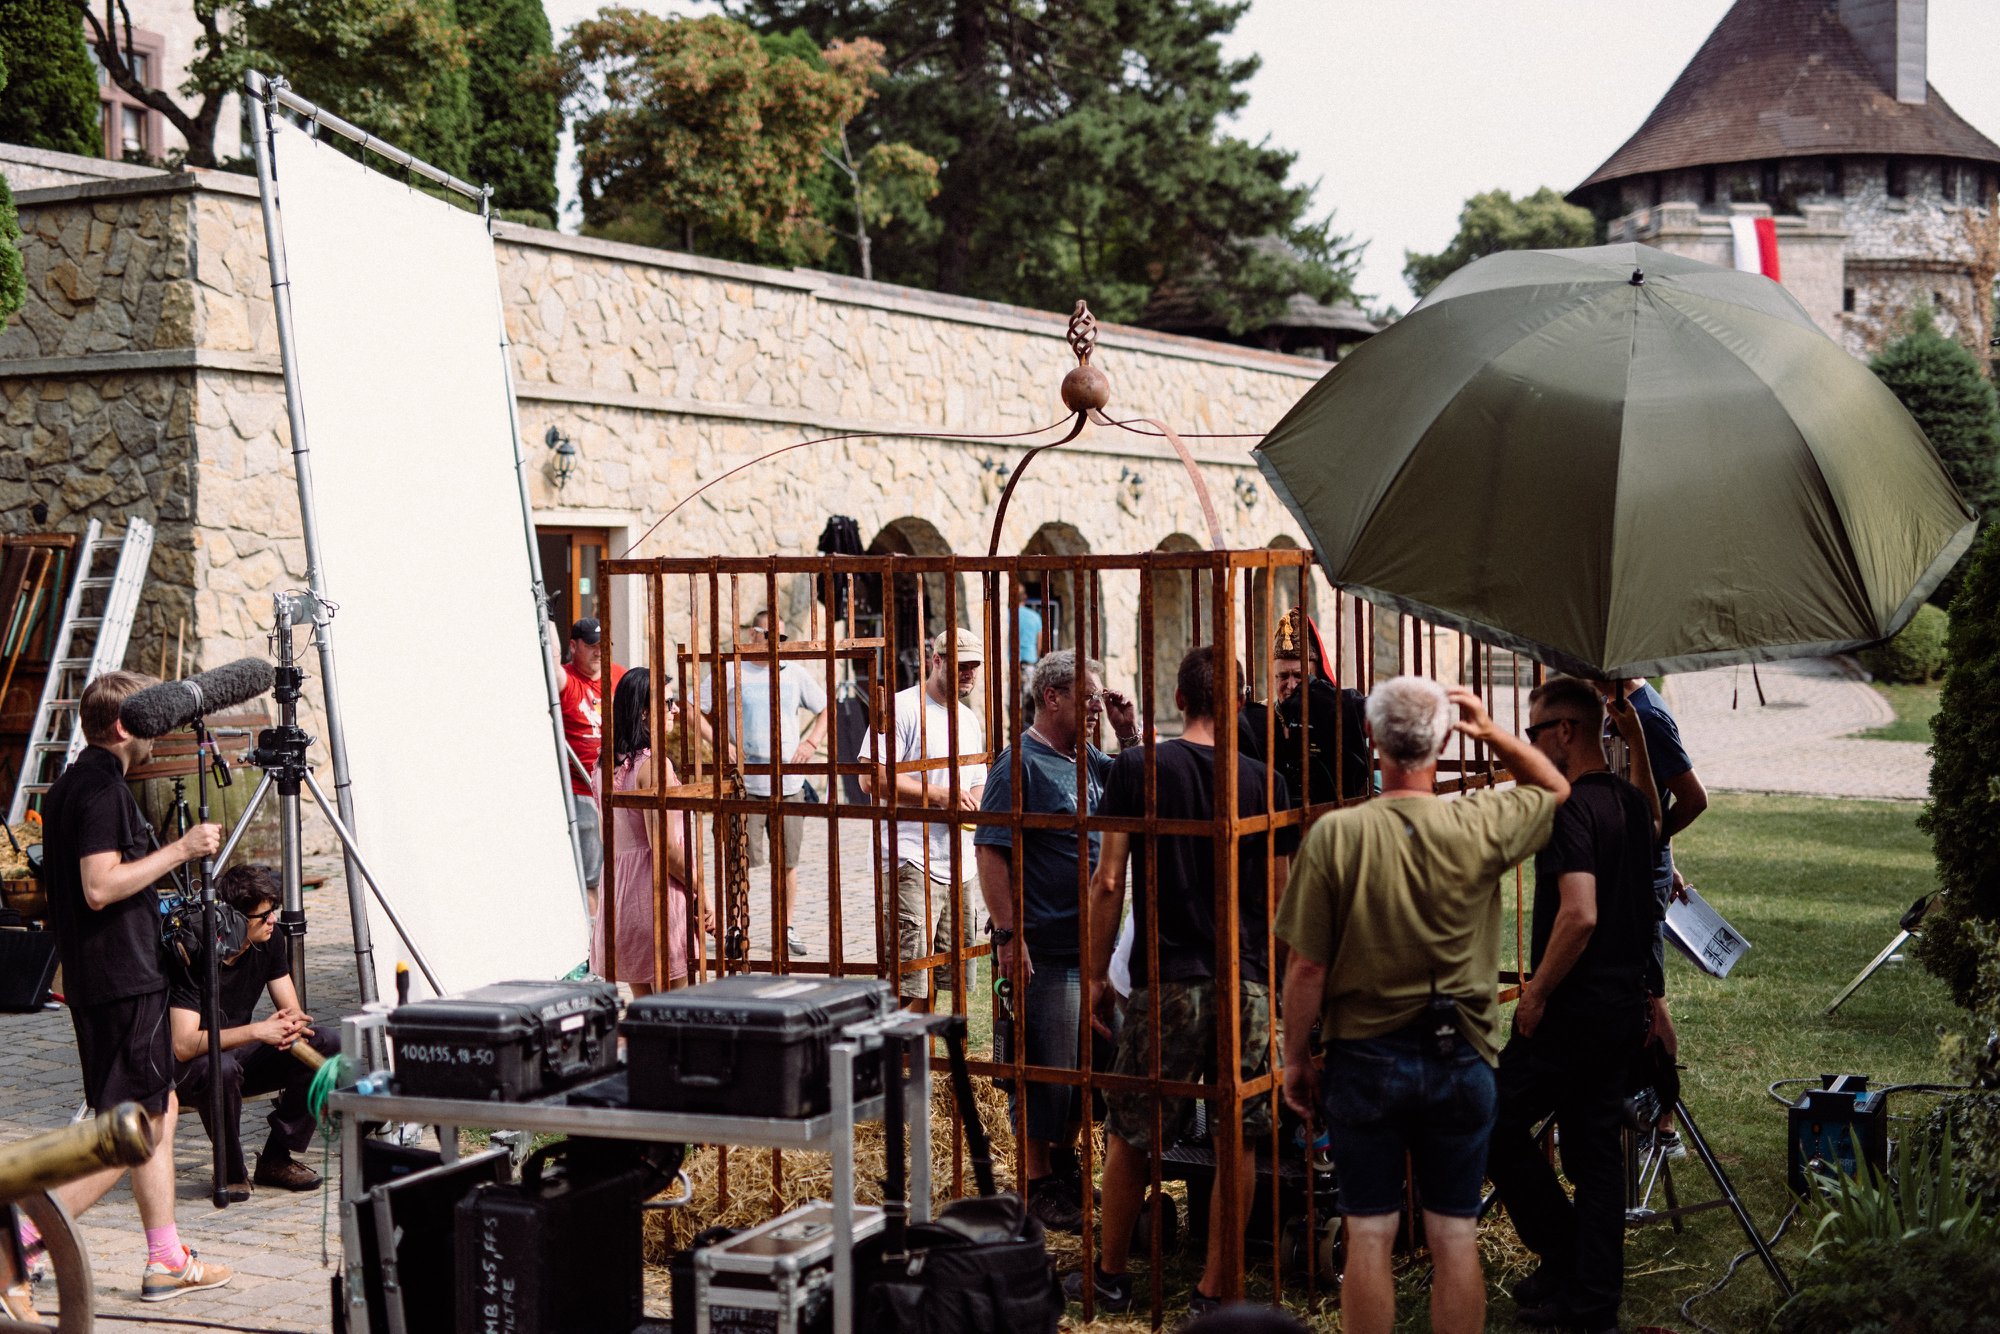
930	858
582	715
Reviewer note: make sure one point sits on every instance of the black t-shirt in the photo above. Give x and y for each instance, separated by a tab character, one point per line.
112	952
1185	788
243	982
1334	715
1606	829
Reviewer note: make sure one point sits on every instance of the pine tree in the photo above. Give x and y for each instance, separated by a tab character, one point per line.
1080	153
51	97
515	123
1496	221
1942	385
1963	816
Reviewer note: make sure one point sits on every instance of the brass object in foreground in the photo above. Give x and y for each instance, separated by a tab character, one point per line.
121	1137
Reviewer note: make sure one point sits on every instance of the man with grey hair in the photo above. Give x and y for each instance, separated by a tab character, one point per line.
1045	936
1393	918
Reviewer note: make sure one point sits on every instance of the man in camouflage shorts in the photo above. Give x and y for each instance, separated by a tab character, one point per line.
1180	1003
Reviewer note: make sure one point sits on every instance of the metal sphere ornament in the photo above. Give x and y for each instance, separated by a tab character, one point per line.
1085	389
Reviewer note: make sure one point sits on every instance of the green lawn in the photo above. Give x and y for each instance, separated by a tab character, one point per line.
1816	887
1914	705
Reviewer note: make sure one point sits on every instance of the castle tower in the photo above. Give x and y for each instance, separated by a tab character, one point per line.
1819	115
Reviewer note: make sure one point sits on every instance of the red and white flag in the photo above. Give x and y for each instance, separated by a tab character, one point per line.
1756	245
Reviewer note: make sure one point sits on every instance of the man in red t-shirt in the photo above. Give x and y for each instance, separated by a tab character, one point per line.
582	713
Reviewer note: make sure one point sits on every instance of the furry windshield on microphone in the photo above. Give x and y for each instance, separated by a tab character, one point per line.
158	710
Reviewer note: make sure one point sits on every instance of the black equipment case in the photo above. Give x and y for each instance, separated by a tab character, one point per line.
561	1252
509	1041
748	1045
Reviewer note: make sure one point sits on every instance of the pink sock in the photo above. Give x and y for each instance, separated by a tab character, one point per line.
163	1246
31	1236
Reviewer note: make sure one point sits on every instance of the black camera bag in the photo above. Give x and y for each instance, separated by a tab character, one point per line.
982	1265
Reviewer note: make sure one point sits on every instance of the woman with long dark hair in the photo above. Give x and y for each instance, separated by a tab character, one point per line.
638	836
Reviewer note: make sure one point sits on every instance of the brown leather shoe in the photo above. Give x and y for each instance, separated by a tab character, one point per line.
285	1174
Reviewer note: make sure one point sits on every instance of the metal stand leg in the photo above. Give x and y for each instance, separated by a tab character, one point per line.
1902	939
842	1068
354	860
1729	1195
243	821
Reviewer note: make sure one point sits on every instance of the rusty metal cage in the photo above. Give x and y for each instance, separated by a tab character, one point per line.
694	611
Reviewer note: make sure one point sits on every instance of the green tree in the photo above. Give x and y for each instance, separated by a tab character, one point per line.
1496	221
1080	152
396	68
690	133
1945	389
51	98
13	282
1963	815
516	123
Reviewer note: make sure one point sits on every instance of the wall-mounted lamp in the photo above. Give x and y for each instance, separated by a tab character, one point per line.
1246	493
566	455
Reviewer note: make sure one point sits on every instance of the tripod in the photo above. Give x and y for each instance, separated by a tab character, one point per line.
1646	1164
281	753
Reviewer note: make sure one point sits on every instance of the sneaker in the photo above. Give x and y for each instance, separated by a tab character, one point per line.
1055	1204
161	1284
1668	1142
18	1303
794	946
1113	1292
286	1174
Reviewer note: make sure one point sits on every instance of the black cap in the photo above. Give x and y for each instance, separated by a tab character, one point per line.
587	629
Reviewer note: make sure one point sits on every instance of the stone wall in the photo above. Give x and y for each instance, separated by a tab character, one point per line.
143	378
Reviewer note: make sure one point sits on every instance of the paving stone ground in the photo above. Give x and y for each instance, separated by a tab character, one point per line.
1796	741
1799	738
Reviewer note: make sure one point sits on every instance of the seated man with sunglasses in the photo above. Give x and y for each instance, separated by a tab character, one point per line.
255	1055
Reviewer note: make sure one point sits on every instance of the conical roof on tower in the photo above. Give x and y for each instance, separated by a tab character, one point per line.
1786	79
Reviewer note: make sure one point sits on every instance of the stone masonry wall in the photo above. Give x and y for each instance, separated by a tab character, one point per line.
144	374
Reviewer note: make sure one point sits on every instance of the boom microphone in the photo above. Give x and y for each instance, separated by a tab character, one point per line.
158	710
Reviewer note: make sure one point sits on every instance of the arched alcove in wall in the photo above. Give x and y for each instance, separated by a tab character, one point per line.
919	600
1054	593
1180	621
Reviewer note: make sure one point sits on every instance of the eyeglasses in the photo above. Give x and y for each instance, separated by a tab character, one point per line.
1535	730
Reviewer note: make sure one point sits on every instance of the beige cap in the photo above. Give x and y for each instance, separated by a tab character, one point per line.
969	649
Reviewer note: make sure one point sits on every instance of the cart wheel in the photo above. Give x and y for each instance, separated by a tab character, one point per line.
1332	1252
69	1265
1170	1226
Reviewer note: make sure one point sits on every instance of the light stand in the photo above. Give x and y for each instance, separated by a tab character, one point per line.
211	990
281	754
1911	920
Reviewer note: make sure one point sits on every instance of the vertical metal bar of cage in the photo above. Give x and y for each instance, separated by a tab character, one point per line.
775	842
1086	627
1272	576
1228	1013
923	628
887	928
1017	982
836	931
607	747
954	858
1144	887
656	703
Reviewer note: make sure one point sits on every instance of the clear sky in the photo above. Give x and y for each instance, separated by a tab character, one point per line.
1400	109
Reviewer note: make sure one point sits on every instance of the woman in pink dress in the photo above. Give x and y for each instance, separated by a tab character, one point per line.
636	837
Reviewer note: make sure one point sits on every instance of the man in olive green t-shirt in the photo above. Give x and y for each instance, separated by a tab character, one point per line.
1391	903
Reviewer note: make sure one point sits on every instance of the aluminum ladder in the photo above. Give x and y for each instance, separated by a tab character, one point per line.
57	736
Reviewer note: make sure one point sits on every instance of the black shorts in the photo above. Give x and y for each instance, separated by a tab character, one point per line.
127	1051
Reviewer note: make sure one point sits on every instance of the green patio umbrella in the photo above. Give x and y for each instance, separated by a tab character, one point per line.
1620	462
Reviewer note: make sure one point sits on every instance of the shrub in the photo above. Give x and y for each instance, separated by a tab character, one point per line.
13	286
1963	815
1912	1251
51	96
1945	388
1916	653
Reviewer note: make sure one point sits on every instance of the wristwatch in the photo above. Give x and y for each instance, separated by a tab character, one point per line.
1003	935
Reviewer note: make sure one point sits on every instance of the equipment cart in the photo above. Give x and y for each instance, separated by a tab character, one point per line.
573	1112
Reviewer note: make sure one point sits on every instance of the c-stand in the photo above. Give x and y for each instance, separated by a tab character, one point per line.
281	753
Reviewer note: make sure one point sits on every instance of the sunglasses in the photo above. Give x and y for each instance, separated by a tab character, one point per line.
259	916
1537	729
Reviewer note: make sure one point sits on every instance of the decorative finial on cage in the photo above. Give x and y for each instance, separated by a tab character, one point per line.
1085	389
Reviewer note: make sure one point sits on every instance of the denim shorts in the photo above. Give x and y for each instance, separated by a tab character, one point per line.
1386	1097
